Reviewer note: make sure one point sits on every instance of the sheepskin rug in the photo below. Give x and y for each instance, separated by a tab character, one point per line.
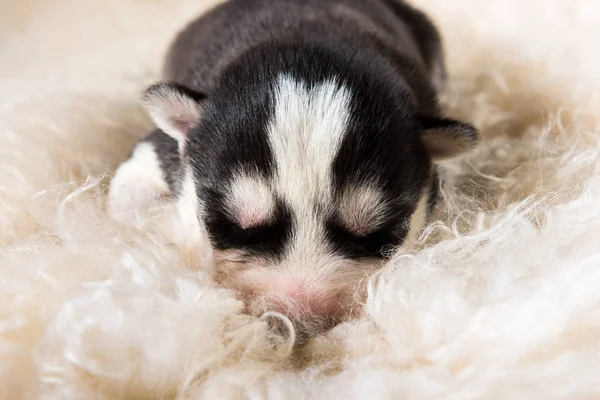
499	300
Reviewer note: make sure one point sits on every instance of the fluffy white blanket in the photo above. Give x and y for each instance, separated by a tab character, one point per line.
501	302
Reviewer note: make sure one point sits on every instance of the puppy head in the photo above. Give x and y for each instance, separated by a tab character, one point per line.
305	185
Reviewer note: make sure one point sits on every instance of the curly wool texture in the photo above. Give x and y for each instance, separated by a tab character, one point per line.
500	301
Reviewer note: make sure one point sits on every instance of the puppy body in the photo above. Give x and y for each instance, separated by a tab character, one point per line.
389	28
304	135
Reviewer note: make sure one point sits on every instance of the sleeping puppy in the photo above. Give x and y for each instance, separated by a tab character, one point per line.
302	136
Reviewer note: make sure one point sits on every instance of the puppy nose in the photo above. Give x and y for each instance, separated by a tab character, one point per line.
288	295
294	299
290	289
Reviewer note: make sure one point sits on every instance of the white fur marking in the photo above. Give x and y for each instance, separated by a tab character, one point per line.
362	209
189	231
250	201
305	134
139	177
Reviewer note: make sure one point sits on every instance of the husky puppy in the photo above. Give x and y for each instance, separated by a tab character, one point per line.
304	136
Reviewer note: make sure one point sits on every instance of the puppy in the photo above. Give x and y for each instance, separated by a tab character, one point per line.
303	137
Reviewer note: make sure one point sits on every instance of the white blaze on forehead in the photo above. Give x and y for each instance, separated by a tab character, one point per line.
362	209
305	134
250	200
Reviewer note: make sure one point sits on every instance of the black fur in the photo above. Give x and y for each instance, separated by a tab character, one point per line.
208	45
384	51
425	34
268	240
168	156
382	144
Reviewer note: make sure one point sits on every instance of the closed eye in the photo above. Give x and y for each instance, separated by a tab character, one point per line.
267	238
373	244
254	235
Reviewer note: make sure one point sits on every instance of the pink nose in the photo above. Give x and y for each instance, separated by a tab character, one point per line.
288	295
294	299
288	288
292	296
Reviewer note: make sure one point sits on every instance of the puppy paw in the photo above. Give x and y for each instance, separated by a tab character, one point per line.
138	185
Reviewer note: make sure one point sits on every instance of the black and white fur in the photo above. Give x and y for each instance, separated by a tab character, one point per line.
303	135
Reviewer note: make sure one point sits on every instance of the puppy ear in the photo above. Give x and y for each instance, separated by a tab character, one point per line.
174	108
447	138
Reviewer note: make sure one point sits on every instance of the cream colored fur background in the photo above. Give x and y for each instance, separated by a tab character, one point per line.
504	303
